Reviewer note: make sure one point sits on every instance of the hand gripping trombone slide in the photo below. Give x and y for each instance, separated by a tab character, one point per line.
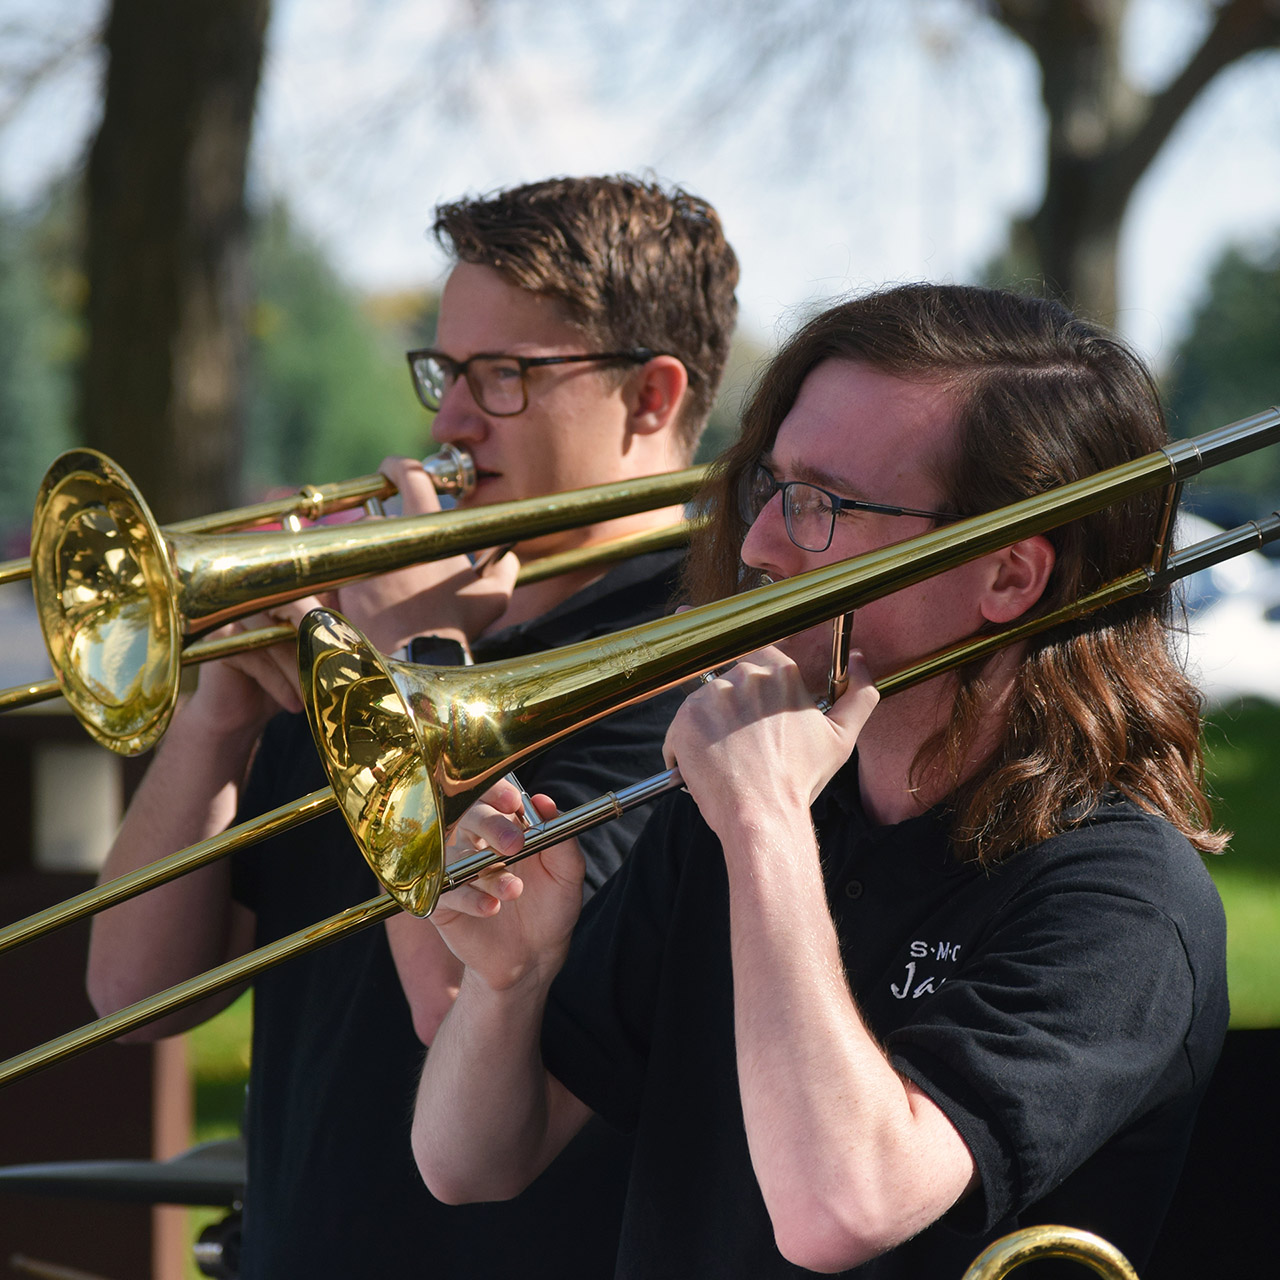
408	749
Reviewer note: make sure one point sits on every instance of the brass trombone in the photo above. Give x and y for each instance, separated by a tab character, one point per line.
116	595
1008	1253
451	471
409	748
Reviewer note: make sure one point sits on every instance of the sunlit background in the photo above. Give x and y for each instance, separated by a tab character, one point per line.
846	145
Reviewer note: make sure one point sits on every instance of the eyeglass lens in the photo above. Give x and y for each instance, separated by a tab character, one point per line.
496	383
806	509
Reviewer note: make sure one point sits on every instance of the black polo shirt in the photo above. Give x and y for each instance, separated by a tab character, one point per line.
1064	1009
333	1190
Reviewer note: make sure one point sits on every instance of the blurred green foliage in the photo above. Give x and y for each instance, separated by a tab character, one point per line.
329	391
38	344
218	1057
328	394
1242	757
1228	366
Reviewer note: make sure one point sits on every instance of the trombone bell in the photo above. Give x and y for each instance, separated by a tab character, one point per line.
1034	1243
110	617
370	750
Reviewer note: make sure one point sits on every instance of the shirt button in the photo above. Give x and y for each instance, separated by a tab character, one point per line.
853	889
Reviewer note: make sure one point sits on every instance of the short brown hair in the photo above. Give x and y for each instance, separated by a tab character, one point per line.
630	264
1040	398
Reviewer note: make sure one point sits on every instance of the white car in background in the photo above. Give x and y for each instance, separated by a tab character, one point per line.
1232	643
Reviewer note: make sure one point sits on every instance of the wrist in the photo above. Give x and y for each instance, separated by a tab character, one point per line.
220	722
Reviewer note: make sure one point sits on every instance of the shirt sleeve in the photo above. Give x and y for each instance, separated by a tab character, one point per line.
601	1010
1072	1018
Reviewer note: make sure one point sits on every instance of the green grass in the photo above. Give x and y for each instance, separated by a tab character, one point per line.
1242	753
218	1054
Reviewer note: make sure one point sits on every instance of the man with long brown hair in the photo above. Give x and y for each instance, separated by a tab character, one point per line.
582	333
889	982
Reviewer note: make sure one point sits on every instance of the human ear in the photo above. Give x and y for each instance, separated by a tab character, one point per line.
655	394
1019	575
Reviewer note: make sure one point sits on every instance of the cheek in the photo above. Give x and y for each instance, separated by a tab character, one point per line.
811	652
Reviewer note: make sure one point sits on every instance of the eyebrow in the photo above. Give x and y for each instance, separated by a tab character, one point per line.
809	474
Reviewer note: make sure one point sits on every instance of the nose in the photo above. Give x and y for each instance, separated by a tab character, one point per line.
459	420
767	546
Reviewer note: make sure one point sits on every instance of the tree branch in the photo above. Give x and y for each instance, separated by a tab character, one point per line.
1242	26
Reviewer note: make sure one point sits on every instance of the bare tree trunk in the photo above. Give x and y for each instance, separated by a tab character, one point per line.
1103	134
167	248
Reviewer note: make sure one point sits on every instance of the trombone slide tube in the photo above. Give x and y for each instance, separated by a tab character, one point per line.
407	749
163	870
198	988
361	916
14	571
541	836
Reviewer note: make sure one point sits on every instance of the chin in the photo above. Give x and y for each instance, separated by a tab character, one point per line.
489	488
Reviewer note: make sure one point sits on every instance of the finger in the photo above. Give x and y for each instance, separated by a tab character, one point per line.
417	494
485	560
481	898
506	796
267	670
769	657
498	572
852	709
501	832
546	807
280	678
288	613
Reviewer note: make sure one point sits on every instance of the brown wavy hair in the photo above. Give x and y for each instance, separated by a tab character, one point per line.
629	263
1041	398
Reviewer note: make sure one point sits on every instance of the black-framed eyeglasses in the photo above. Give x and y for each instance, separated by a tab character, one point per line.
499	383
809	511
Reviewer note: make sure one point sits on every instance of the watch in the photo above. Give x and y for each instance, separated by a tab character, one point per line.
437	651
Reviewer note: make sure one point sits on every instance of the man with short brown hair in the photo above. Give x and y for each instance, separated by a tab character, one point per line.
564	357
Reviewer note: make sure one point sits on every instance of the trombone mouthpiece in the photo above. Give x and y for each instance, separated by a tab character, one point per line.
452	471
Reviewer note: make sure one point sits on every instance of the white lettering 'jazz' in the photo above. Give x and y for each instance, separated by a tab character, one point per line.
918	949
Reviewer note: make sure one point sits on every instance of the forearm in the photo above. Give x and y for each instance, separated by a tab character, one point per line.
851	1159
189	925
489	1117
429	973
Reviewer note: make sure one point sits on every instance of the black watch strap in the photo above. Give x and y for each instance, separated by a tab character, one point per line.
438	651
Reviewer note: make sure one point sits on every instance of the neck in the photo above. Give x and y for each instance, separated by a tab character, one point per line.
537	598
890	743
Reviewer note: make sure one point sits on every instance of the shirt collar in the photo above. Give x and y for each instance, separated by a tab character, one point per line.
643	583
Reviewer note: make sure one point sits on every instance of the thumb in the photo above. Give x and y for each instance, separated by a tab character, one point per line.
853	708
